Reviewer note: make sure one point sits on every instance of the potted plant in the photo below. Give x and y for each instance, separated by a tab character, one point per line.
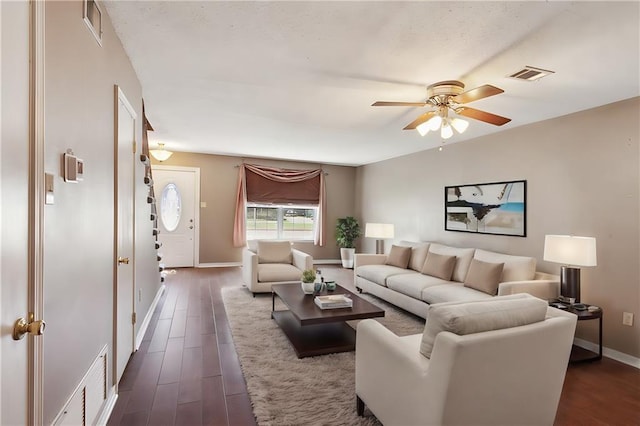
308	281
347	231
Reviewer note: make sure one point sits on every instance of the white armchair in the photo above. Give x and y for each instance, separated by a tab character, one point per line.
506	375
273	262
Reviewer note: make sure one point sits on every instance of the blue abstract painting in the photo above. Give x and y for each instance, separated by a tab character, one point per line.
488	208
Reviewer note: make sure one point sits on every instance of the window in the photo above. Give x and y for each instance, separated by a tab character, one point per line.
272	222
170	207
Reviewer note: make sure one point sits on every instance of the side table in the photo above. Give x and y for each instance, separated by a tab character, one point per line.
579	354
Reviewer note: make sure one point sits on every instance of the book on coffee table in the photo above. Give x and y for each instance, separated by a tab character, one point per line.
333	301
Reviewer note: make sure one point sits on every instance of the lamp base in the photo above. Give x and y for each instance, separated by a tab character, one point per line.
379	246
570	283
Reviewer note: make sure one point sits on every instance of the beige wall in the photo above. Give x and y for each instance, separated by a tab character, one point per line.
79	228
218	186
582	174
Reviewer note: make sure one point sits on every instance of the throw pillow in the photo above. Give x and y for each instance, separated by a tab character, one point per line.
418	256
399	256
274	252
439	265
484	276
480	316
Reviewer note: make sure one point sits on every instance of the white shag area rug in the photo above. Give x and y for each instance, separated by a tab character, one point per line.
285	390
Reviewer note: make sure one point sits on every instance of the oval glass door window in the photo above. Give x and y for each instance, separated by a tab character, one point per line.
170	207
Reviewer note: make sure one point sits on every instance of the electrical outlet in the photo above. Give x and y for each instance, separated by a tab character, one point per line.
627	318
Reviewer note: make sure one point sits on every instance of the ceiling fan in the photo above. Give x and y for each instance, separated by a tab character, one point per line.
446	96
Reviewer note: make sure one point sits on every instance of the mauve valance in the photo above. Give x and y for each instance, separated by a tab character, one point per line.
262	189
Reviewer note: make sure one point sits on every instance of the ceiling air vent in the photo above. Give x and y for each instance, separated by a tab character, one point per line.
530	73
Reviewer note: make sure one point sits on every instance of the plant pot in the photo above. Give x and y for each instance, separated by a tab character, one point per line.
308	288
347	257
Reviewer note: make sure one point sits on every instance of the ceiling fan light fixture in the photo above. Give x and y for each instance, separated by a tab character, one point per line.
160	153
447	131
423	128
434	122
459	124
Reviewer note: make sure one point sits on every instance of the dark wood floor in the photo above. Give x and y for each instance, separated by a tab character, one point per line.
187	371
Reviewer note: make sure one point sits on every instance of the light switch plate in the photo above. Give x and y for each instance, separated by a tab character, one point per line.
48	188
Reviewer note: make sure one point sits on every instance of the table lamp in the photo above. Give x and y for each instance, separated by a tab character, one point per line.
380	231
571	251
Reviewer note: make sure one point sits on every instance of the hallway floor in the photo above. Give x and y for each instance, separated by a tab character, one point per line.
186	371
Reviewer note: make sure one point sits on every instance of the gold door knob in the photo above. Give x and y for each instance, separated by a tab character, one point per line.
122	260
22	327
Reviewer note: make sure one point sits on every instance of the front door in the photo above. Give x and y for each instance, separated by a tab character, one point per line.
177	196
124	163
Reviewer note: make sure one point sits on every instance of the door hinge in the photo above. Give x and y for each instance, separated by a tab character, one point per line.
133	318
135	147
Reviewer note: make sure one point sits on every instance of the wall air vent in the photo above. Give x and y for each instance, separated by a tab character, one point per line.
530	74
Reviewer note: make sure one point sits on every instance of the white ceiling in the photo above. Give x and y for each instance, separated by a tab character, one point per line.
295	80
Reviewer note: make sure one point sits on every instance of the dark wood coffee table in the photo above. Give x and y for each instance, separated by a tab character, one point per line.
313	331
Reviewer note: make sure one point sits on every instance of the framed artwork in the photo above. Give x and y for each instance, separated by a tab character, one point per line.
498	208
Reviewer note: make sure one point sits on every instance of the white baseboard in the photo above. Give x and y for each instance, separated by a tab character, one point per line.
327	262
108	407
609	353
147	317
232	264
218	265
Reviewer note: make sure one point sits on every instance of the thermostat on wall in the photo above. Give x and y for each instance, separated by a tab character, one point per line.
73	167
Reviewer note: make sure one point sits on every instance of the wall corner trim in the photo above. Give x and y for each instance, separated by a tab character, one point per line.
147	317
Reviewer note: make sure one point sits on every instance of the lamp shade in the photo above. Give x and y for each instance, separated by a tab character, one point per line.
378	230
570	250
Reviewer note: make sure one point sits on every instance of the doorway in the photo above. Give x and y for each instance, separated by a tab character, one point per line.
177	191
125	222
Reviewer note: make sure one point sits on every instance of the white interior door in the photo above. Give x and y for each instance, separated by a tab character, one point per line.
177	196
14	210
124	163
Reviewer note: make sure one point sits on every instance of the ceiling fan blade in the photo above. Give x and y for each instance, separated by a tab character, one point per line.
477	93
412	104
418	121
487	117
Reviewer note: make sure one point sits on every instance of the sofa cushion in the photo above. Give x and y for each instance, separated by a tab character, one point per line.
476	317
274	252
439	265
418	256
452	292
276	272
379	273
413	284
464	256
484	276
399	256
516	268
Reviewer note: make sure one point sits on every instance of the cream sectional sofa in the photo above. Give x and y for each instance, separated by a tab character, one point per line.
413	288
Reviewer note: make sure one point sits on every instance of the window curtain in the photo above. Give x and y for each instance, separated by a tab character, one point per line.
265	184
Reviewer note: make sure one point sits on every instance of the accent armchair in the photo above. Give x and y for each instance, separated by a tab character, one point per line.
273	262
494	362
